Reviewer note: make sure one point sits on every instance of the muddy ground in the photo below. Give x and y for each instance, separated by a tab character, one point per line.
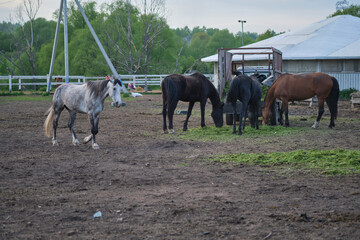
148	185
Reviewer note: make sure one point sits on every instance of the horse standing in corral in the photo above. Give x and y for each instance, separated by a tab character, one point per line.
297	87
248	91
193	88
258	77
85	98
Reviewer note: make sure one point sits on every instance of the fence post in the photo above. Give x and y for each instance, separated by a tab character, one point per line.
19	84
48	83
10	87
134	81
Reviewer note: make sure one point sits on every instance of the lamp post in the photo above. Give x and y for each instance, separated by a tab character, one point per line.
242	30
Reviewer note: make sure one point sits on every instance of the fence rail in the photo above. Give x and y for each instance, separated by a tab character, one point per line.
346	80
136	80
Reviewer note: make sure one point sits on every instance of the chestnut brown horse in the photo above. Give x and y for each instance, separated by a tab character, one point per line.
193	88
297	87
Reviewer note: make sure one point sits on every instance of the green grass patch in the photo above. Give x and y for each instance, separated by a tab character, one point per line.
329	162
225	134
14	93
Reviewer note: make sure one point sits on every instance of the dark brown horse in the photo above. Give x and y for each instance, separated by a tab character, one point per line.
297	87
193	88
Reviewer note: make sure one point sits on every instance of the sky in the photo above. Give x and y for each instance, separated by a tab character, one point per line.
260	15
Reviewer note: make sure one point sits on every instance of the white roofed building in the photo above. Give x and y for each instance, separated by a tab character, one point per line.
331	46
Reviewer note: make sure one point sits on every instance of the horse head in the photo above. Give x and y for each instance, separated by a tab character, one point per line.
266	115
114	87
217	115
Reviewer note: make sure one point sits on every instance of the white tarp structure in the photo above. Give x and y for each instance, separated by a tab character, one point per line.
332	38
331	45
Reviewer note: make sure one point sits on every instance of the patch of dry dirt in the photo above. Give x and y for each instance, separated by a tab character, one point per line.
151	186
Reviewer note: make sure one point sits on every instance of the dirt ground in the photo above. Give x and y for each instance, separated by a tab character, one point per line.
149	185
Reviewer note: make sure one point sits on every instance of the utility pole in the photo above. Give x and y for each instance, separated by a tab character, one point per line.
242	31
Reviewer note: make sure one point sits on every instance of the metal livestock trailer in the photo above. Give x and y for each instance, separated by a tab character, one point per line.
242	60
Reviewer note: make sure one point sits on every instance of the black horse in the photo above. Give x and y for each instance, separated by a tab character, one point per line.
193	88
247	91
258	77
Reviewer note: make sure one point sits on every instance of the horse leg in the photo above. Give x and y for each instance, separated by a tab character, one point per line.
281	112
285	110
94	121
171	110
202	108
243	116
320	113
234	117
72	118
57	112
332	119
256	115
164	117
191	105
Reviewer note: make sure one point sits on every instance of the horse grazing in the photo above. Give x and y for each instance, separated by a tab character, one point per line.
193	88
248	91
297	87
86	98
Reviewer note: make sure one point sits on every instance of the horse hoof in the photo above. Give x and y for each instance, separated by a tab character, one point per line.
172	131
316	124
166	131
87	139
55	143
95	146
76	142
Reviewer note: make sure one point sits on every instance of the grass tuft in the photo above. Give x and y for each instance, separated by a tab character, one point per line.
224	134
329	162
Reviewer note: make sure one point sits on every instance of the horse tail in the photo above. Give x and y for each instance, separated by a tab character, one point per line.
334	97
49	120
232	94
169	91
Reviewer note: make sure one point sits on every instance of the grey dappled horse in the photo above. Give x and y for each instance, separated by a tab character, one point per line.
85	98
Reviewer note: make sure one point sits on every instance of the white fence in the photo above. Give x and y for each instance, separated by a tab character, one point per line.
136	80
346	80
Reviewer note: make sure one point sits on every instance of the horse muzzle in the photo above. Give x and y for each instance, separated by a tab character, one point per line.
117	104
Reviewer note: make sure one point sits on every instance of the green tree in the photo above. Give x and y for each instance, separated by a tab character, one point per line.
220	39
353	10
75	18
268	34
198	44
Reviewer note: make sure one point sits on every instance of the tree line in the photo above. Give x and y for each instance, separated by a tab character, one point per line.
137	39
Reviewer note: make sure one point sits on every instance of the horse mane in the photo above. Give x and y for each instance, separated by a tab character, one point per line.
98	87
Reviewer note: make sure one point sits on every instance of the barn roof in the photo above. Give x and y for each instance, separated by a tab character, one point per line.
333	38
